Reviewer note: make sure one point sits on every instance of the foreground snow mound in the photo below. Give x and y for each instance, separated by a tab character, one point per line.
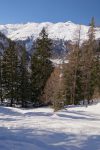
74	128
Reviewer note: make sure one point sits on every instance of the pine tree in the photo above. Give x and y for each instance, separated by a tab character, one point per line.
41	65
88	59
24	80
72	74
96	74
9	72
92	23
1	82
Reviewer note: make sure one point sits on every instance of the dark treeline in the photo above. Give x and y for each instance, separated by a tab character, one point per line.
38	82
23	82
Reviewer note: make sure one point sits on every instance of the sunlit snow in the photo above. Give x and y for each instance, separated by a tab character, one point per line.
74	128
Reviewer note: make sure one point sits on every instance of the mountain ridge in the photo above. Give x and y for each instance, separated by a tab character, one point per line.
29	32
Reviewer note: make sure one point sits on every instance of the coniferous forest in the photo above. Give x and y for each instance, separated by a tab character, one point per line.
35	81
49	75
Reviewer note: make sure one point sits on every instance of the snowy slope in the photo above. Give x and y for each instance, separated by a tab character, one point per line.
65	31
76	128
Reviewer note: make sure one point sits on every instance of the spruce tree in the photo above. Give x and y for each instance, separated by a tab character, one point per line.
9	72
41	65
24	79
1	81
95	80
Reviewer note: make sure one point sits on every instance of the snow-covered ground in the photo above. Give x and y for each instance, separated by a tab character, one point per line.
74	128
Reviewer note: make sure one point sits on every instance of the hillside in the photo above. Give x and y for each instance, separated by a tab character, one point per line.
75	128
60	32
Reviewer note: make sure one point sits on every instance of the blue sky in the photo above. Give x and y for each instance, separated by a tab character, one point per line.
22	11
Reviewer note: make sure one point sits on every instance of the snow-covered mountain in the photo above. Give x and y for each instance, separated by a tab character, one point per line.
29	32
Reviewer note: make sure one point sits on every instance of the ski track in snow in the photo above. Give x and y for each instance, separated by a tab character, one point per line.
74	128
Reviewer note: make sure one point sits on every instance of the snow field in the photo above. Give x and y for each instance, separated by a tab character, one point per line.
74	128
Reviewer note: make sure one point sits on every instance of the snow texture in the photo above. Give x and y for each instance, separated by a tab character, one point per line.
74	128
66	31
